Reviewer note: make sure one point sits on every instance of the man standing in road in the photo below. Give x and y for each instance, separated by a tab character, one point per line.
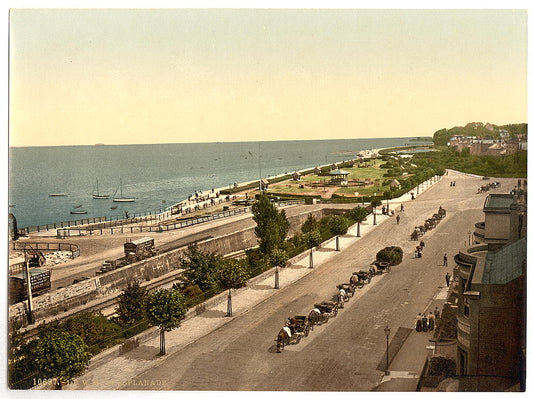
397	219
445	260
447	277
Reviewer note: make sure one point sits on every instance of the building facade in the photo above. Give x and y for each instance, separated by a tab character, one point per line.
491	283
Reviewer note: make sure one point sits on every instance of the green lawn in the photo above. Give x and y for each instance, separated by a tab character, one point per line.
373	172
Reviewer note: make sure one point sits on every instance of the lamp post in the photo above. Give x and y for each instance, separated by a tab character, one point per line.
229	311
311	258
276	278
387	333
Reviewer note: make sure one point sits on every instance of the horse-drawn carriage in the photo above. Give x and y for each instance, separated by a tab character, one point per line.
294	330
349	288
364	276
382	267
328	308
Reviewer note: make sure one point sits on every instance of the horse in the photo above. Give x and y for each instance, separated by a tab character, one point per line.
341	296
314	317
284	337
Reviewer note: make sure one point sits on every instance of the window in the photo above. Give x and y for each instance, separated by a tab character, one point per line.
466	308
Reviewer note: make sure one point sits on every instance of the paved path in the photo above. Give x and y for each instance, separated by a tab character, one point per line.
213	352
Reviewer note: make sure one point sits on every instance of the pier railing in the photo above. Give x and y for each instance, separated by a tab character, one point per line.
134	218
126	225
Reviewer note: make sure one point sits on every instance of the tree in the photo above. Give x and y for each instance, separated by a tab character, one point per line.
165	309
358	214
278	258
233	274
61	355
375	202
309	224
201	268
22	369
272	226
393	255
338	225
94	329
131	304
313	238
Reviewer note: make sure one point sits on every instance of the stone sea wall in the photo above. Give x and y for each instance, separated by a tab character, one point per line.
76	295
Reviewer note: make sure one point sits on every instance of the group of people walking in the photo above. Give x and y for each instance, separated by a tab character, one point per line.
427	322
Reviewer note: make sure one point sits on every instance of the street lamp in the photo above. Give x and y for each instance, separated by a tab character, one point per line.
276	278
387	333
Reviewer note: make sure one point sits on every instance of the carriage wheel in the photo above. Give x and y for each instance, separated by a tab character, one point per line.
335	311
306	331
298	338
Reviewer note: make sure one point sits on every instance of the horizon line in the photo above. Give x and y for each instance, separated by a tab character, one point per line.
214	142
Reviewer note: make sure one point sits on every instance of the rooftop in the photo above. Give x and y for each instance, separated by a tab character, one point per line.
505	264
498	201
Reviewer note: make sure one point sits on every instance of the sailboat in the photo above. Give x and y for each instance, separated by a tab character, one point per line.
97	195
121	198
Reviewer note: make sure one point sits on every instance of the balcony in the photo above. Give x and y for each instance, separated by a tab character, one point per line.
479	231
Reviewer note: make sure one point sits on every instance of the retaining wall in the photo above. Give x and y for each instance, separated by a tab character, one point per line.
61	300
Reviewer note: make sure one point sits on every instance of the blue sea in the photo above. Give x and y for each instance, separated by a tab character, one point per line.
156	175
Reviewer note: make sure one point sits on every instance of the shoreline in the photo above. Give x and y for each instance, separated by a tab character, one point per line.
185	202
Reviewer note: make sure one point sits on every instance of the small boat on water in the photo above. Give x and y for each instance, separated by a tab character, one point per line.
78	206
96	192
58	195
121	198
78	212
114	207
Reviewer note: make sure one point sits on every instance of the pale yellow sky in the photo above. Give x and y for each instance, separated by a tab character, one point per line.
84	76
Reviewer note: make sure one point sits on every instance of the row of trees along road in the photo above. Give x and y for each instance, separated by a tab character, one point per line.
61	351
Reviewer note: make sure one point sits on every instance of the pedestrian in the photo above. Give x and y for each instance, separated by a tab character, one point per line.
431	321
445	260
412	196
397	219
419	322
422	244
424	322
447	277
437	312
401	208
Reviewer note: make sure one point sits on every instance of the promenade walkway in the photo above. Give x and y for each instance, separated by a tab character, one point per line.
145	356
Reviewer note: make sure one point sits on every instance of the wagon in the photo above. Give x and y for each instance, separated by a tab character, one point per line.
349	288
364	276
299	325
382	267
329	308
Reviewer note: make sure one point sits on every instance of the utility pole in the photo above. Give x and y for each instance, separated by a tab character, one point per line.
28	286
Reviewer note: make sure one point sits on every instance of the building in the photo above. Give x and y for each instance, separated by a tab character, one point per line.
296	176
490	278
395	184
339	176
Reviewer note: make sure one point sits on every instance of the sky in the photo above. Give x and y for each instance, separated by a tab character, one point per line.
136	76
